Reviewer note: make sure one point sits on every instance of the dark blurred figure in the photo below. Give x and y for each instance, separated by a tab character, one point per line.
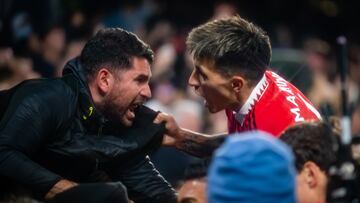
48	57
15	66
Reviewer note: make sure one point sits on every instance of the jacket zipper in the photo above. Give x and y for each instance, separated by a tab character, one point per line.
99	134
100	130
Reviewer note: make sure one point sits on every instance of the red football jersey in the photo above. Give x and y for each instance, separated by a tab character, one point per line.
273	105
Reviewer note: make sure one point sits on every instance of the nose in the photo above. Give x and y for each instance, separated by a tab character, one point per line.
146	92
193	81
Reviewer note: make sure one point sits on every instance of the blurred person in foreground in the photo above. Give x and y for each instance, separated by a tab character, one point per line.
231	59
85	137
312	144
252	167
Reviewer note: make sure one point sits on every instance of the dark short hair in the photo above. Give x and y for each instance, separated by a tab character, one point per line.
234	44
115	48
197	169
312	141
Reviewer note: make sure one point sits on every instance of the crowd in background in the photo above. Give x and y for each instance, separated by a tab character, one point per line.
38	37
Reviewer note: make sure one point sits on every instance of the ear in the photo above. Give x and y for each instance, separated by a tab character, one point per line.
237	83
311	173
104	81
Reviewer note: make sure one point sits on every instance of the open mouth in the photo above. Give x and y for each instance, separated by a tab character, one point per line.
133	107
130	113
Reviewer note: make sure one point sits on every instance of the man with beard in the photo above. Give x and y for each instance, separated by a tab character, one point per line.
83	137
231	60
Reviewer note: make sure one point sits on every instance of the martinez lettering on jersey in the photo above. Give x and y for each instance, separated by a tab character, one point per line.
282	84
273	105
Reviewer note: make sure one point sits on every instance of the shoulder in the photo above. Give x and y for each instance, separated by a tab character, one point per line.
51	89
43	93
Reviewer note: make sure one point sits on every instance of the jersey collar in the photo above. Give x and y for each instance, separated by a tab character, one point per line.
255	96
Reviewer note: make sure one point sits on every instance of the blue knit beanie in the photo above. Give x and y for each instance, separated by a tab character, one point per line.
252	167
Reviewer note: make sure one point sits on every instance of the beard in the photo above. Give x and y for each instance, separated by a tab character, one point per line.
111	110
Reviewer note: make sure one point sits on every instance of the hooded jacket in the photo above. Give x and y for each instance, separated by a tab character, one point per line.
50	129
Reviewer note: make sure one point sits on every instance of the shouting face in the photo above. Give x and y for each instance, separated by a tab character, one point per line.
127	89
216	89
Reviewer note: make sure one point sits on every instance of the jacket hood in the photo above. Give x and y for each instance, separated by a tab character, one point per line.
75	76
75	68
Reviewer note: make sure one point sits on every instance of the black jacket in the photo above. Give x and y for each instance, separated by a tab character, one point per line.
50	129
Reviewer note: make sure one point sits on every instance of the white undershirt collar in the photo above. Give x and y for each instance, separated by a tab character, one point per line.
255	96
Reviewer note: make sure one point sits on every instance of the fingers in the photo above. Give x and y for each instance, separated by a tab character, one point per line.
172	128
161	117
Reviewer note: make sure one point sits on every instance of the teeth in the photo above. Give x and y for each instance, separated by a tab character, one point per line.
133	107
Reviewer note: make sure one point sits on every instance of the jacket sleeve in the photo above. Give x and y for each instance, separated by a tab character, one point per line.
144	183
27	124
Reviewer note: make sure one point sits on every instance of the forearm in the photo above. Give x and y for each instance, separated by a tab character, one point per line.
21	169
198	144
59	187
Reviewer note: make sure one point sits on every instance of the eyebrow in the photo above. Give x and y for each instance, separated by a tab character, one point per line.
143	77
198	68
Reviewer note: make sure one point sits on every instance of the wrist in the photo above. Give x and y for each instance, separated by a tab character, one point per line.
59	187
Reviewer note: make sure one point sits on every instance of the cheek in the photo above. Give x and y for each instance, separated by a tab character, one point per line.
301	190
120	96
115	101
125	90
214	93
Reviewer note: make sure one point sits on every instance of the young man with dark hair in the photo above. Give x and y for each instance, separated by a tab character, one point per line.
312	145
60	137
231	59
193	190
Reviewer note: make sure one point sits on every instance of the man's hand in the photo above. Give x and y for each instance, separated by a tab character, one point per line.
59	187
194	143
173	131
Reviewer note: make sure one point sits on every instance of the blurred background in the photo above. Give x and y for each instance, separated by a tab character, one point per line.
37	37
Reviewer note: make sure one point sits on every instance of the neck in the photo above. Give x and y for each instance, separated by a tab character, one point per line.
94	94
251	94
242	97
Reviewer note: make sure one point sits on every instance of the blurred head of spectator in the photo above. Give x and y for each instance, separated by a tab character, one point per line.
354	63
355	118
283	36
312	144
318	55
193	190
159	36
15	65
6	53
224	9
53	44
252	167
